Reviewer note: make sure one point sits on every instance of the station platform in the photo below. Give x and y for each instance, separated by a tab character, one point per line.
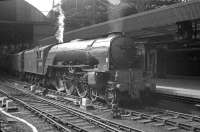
179	87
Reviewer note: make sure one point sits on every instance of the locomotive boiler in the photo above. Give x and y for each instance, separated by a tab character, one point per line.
95	68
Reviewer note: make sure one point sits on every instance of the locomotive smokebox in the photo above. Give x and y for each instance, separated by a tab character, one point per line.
123	51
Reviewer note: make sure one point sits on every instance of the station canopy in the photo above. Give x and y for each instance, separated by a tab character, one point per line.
156	22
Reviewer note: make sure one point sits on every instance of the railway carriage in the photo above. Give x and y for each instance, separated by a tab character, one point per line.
20	62
5	63
14	63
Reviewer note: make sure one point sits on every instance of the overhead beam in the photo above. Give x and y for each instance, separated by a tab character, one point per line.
150	19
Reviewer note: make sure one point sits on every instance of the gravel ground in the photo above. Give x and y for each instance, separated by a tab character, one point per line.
40	124
12	125
108	115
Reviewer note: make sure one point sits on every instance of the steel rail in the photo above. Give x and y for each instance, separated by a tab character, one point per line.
94	117
156	118
57	120
159	118
109	125
57	125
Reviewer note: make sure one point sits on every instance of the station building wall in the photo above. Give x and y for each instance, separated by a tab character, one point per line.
41	31
8	10
27	13
21	22
16	32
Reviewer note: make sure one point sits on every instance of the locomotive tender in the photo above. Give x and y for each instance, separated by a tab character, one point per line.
90	67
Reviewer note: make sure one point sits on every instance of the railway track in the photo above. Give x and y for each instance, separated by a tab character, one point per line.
62	117
167	96
66	98
12	125
188	100
169	120
164	118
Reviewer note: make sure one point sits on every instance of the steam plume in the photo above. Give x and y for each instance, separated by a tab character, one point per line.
115	11
60	22
114	2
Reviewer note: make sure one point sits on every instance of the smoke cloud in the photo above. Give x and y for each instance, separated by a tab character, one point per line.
114	2
60	23
115	11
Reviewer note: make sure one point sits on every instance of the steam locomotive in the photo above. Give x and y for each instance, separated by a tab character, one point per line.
96	68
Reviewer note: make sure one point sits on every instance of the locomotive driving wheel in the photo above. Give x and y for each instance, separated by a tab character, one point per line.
82	88
70	86
59	84
66	85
